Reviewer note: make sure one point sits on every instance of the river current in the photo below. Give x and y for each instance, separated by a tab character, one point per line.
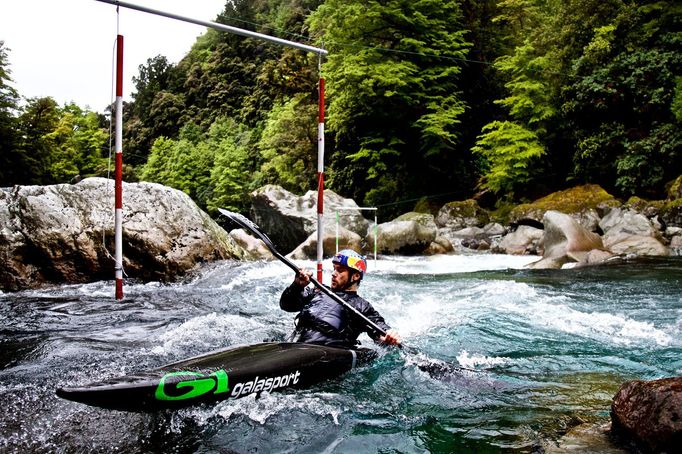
541	353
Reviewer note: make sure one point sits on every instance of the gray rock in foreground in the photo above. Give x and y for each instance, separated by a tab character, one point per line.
65	234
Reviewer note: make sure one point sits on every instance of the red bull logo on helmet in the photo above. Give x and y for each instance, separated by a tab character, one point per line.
352	260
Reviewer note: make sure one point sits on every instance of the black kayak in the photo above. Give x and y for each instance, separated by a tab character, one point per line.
225	374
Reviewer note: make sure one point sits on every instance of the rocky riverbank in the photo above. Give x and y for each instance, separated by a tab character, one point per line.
65	233
579	226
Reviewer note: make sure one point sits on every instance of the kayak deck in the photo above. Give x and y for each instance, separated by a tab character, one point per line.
225	374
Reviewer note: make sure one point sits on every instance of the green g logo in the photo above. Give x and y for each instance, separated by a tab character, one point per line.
216	382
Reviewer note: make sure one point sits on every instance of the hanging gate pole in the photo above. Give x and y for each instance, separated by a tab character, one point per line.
118	223
320	182
217	26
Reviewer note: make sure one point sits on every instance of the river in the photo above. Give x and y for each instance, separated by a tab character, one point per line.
542	352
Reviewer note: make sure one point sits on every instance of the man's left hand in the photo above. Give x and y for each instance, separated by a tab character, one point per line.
391	338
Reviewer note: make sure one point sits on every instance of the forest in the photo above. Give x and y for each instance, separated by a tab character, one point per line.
428	101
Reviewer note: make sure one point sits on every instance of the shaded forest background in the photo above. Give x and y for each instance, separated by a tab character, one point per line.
427	101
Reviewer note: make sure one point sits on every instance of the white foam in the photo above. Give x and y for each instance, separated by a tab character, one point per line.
209	330
474	361
555	313
447	264
260	409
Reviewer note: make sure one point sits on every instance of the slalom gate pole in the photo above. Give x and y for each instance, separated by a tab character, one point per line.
320	181
118	223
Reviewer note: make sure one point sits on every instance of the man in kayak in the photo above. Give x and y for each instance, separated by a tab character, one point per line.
321	320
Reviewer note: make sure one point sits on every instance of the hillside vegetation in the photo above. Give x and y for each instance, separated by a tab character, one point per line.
427	101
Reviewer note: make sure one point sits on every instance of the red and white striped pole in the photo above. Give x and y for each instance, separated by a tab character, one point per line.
320	182
118	223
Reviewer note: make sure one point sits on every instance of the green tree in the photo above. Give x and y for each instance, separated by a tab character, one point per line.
158	166
394	100
12	165
233	165
512	148
620	105
39	118
76	143
158	108
288	145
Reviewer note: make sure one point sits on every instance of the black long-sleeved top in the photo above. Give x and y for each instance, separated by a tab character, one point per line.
321	320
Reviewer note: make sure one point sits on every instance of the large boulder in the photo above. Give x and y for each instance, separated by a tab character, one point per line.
584	203
65	234
629	232
440	245
524	240
403	237
454	216
254	247
289	219
565	240
648	414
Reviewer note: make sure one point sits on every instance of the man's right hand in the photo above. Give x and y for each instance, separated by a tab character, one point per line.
302	279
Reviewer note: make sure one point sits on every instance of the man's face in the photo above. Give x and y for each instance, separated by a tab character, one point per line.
340	277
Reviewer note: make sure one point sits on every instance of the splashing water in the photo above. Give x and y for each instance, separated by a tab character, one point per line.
507	358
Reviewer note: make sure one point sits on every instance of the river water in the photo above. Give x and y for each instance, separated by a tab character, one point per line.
541	352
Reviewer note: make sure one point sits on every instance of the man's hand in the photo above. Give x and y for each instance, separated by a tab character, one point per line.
391	338
302	279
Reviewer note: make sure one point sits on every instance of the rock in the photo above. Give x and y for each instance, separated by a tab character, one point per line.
565	240
628	232
524	240
650	209
255	247
440	245
494	229
671	213
475	244
620	221
54	234
425	219
584	438
675	189
403	237
455	216
676	244
289	219
637	245
468	233
308	249
584	203
649	414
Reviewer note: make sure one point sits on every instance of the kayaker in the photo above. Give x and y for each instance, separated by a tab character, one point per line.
321	320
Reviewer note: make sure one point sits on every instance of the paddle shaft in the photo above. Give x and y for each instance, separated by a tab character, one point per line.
246	223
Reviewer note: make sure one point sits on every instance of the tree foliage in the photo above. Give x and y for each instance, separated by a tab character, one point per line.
11	168
395	105
426	99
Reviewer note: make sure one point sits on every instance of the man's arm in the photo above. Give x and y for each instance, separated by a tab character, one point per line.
391	338
294	297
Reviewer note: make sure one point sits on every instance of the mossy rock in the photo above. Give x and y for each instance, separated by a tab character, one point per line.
427	220
674	189
574	200
671	213
461	214
648	208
